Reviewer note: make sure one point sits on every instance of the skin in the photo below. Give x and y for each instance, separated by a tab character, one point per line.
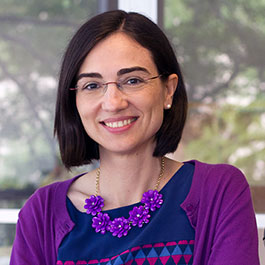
128	168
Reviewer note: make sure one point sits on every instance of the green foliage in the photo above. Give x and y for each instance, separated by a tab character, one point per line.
234	135
216	41
220	45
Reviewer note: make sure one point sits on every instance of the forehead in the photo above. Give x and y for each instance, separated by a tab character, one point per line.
116	52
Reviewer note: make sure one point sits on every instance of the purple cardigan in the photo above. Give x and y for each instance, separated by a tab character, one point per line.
218	206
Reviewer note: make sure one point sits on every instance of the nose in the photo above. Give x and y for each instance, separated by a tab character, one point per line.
113	100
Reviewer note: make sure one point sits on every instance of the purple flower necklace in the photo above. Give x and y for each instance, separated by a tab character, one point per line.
138	216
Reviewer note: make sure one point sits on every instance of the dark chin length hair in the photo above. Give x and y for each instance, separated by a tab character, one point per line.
76	147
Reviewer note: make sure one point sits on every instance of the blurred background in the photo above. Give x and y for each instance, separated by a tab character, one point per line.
220	45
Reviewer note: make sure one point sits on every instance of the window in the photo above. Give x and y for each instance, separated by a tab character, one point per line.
33	36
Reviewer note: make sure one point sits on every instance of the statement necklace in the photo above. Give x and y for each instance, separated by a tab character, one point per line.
138	216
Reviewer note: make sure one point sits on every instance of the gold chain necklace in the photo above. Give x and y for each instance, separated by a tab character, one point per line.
162	169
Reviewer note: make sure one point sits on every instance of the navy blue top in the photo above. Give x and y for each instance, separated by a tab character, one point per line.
167	239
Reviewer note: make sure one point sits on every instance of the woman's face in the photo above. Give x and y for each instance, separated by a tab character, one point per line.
121	121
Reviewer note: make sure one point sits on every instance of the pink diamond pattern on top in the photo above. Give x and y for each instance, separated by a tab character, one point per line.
180	252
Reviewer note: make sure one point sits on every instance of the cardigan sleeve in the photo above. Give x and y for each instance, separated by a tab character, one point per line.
27	247
235	239
235	235
43	222
37	229
219	207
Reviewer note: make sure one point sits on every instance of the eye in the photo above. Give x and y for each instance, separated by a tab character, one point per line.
91	86
134	81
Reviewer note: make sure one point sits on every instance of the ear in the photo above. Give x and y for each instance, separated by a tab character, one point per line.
170	88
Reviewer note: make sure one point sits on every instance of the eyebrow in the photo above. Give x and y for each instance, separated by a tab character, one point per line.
97	75
119	73
132	69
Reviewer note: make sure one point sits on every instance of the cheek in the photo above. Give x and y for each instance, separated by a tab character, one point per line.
155	102
154	111
82	106
80	109
84	111
86	120
158	111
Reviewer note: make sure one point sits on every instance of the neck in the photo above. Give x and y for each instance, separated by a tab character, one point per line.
124	179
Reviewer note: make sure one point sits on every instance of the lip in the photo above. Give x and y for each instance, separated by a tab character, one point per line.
120	124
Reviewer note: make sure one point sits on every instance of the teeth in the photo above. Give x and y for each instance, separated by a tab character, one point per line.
118	124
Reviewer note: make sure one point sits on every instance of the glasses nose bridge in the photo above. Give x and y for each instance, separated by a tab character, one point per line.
105	85
114	99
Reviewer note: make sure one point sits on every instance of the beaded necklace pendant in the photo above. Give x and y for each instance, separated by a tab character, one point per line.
120	226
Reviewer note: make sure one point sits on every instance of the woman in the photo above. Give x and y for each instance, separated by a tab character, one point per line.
122	100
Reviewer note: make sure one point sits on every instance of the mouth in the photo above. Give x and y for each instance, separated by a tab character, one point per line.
118	124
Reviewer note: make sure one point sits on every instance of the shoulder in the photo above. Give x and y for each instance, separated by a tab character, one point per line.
208	175
47	198
213	182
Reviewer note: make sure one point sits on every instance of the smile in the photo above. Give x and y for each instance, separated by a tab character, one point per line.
119	124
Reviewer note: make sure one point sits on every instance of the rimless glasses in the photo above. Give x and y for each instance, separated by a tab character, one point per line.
93	87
